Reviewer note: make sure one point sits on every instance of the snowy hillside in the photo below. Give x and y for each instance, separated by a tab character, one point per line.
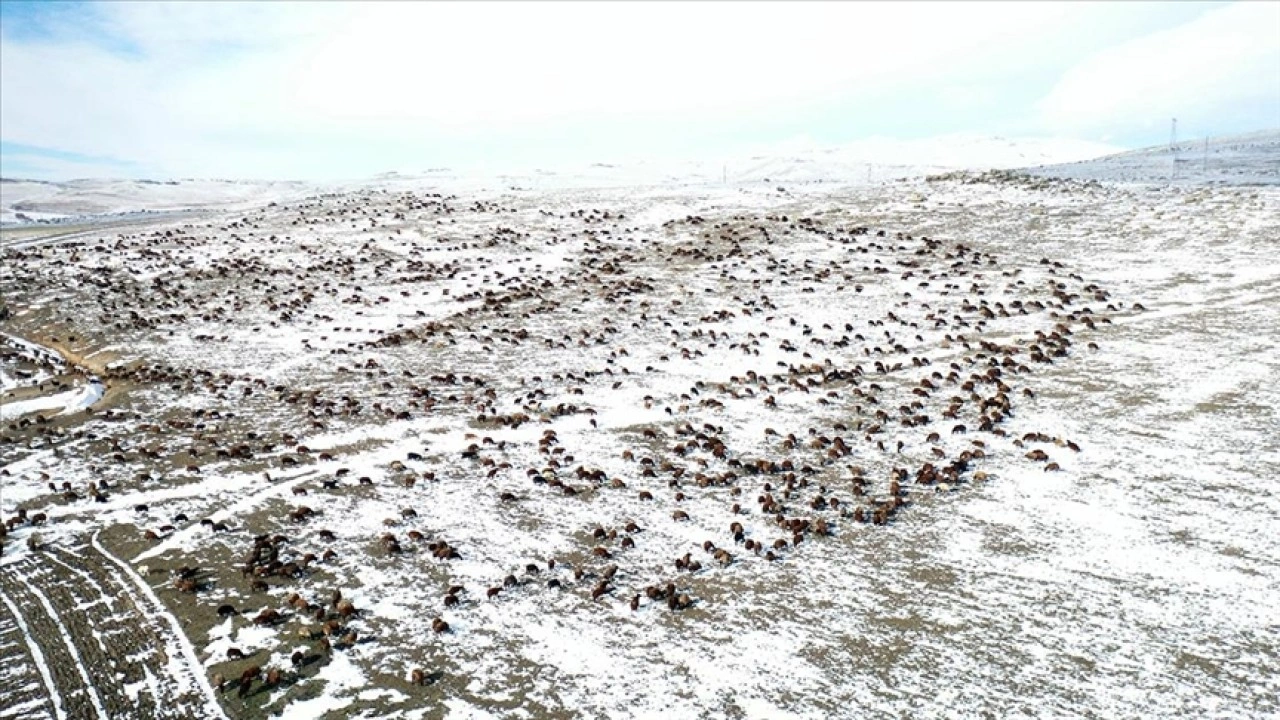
866	161
880	158
1243	159
1249	159
863	162
24	201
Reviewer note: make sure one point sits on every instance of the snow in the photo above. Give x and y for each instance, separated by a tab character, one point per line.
340	675
184	665
23	709
1248	159
869	160
866	161
30	352
382	694
70	401
37	656
1080	593
77	199
249	638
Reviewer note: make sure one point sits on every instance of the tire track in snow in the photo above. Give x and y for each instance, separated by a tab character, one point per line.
145	598
116	657
175	540
36	655
90	691
22	692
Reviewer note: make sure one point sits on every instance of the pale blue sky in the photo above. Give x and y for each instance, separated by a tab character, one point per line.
329	90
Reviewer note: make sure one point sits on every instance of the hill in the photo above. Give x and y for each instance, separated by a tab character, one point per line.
1248	159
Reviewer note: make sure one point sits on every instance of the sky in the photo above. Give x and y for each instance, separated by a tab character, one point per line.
327	91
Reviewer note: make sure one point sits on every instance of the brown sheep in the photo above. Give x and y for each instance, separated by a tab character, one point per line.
599	590
267	617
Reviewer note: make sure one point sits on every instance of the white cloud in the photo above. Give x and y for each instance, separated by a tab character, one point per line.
325	89
498	65
1219	68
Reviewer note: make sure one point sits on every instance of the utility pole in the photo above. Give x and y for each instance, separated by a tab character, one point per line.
1205	166
1173	145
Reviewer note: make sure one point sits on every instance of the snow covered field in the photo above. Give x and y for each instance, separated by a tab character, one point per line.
508	370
